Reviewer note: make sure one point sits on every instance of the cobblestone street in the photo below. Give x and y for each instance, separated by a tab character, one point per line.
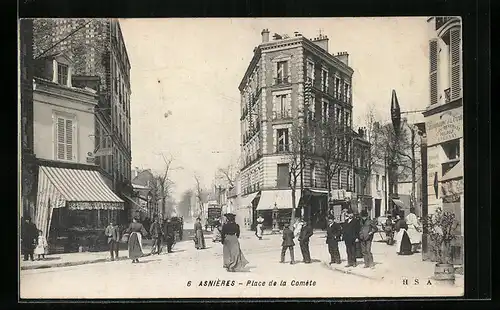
167	276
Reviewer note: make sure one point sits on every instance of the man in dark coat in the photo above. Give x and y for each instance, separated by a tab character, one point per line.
156	233
367	229
113	238
169	235
350	236
29	236
305	233
333	233
287	244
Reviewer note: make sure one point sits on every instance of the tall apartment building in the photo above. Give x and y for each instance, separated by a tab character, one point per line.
100	61
272	101
444	125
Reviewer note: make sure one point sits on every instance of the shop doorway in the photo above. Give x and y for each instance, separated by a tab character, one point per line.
378	205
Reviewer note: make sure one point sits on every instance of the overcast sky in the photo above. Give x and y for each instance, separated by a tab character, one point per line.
192	68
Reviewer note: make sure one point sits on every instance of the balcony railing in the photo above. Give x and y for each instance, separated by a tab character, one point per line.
447	95
440	21
256	96
282	148
281	80
244	113
282	115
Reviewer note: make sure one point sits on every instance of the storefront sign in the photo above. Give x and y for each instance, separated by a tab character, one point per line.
445	126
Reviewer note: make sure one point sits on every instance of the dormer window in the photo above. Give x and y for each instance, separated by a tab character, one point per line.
62	74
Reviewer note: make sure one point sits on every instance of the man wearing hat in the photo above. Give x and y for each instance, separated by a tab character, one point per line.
305	233
333	233
29	236
367	229
287	244
350	236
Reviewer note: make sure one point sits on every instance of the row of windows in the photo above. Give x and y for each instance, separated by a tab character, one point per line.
341	88
283	180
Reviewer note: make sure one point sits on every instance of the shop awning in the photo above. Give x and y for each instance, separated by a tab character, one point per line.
398	203
136	205
246	201
74	188
282	199
319	192
454	173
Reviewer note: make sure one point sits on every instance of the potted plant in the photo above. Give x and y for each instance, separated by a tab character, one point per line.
441	228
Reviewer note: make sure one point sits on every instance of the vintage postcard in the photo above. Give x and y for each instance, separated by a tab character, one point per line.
241	157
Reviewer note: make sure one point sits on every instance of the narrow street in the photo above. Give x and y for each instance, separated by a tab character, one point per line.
168	275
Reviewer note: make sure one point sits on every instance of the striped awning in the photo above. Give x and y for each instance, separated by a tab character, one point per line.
72	188
281	199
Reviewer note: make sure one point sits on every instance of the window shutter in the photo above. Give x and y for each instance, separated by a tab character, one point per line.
433	55
69	139
455	52
60	148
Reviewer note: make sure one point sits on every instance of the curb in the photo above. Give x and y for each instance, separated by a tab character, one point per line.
349	272
77	263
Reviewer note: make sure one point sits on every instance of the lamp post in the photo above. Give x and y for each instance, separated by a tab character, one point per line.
396	124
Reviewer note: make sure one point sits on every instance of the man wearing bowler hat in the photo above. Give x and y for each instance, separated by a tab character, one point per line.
350	235
367	229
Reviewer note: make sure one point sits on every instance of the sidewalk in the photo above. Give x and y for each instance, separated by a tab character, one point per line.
389	266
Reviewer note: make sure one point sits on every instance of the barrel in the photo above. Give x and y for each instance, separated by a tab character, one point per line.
444	273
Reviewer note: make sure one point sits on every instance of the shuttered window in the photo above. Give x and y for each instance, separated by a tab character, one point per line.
433	76
455	51
64	131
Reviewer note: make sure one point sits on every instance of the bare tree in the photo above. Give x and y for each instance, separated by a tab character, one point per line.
229	173
199	195
335	152
162	185
300	145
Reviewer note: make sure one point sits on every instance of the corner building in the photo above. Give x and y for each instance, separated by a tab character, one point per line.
273	98
99	61
444	127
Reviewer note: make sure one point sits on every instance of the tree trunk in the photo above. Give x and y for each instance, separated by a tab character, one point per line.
292	219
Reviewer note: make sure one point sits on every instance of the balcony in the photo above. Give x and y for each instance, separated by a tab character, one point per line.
251	133
440	21
282	115
283	148
256	96
281	81
447	95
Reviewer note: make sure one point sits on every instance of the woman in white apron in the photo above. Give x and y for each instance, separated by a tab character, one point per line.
414	230
260	227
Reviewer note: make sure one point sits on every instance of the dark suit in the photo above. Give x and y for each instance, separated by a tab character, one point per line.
333	233
287	244
113	238
305	233
350	234
367	229
156	233
169	235
29	236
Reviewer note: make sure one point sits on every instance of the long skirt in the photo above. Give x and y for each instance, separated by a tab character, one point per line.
258	231
199	240
403	244
414	235
135	246
234	260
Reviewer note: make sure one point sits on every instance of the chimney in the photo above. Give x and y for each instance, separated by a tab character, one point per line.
265	35
343	57
321	41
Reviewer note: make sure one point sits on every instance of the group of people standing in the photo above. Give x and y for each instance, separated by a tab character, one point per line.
133	235
352	232
33	242
407	232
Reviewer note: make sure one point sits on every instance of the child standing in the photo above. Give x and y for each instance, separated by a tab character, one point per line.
42	246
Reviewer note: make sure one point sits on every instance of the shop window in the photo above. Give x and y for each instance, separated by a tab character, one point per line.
452	149
83	218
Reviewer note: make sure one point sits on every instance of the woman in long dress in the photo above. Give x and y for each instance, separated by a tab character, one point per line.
136	232
414	230
260	227
217	231
403	244
234	260
199	238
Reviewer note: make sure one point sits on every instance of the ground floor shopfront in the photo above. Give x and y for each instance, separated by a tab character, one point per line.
73	207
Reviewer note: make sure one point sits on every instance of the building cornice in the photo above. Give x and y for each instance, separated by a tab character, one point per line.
253	63
452	23
71	93
437	108
328	57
